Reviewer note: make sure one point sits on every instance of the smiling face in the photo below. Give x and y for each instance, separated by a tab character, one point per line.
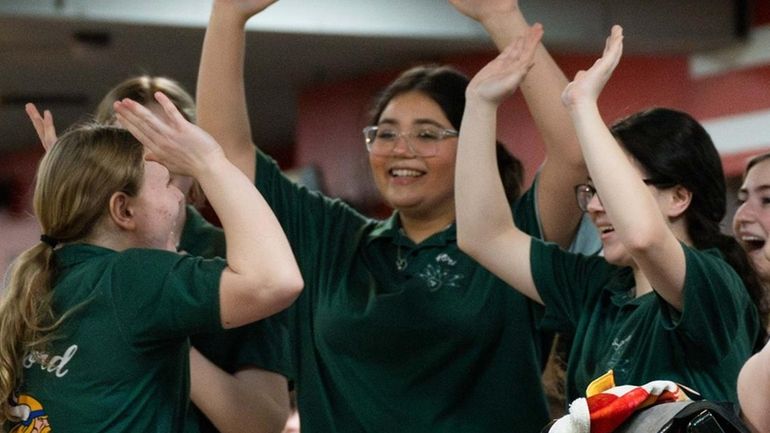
156	208
751	222
414	185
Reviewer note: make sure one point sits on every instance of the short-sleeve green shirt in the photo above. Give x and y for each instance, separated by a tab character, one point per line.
257	345
441	345
121	362
643	338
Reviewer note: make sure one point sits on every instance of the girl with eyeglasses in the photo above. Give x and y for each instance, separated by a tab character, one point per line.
672	297
398	330
95	319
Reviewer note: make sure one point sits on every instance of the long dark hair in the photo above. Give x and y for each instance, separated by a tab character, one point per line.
446	86
675	149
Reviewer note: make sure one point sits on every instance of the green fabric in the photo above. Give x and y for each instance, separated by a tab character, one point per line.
260	344
443	346
639	338
125	365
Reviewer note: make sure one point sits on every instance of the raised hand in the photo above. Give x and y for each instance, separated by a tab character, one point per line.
246	8
587	85
500	77
481	10
176	143
44	127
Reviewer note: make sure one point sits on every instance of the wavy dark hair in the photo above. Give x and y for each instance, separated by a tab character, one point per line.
674	149
446	86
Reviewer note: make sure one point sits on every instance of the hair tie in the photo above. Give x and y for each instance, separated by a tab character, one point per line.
51	242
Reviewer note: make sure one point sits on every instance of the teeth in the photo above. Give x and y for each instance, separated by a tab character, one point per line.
403	172
606	229
752	239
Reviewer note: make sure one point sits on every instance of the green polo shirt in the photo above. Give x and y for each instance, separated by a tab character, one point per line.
257	345
642	338
441	345
121	362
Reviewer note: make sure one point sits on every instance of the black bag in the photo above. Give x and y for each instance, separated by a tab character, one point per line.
683	417
686	417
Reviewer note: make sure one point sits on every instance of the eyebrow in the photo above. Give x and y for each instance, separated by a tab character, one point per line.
422	121
760	188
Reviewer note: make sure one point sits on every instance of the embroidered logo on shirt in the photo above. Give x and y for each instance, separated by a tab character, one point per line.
32	415
440	275
617	360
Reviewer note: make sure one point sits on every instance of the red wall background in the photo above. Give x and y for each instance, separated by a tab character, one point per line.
331	116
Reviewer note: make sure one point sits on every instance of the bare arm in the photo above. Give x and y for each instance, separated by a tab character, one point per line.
564	166
262	276
251	400
485	228
221	91
754	391
629	203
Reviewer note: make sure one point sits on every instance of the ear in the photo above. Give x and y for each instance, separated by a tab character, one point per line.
679	200
120	211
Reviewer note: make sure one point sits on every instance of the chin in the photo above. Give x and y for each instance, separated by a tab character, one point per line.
617	256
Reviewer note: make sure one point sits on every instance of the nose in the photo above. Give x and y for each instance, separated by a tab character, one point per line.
403	146
744	213
595	204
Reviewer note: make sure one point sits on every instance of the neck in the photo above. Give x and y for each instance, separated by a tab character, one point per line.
418	229
107	235
643	285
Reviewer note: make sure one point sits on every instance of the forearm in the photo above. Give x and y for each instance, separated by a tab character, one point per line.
633	211
262	276
564	166
222	107
754	391
253	400
482	210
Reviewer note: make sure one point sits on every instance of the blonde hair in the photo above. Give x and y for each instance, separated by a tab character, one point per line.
75	181
142	89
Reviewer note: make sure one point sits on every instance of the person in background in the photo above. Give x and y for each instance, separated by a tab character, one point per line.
245	365
647	308
397	329
753	214
95	320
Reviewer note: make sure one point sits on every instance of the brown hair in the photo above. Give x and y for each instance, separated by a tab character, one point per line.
75	181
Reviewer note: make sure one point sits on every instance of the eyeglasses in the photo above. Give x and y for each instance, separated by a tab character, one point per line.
585	191
423	141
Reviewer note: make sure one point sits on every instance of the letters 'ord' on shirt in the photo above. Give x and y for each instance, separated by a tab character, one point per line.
644	338
441	346
121	363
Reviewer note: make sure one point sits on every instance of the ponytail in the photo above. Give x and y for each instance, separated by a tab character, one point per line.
26	318
75	181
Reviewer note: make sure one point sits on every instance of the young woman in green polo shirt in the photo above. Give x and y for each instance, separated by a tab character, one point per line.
95	319
665	300
397	330
237	362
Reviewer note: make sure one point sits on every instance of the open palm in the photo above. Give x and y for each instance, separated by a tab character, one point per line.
587	85
500	77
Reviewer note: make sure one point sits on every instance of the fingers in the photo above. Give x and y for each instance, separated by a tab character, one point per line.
170	109
37	120
49	130
43	125
615	46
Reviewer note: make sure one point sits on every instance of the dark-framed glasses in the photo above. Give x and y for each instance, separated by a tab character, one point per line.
422	141
584	192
